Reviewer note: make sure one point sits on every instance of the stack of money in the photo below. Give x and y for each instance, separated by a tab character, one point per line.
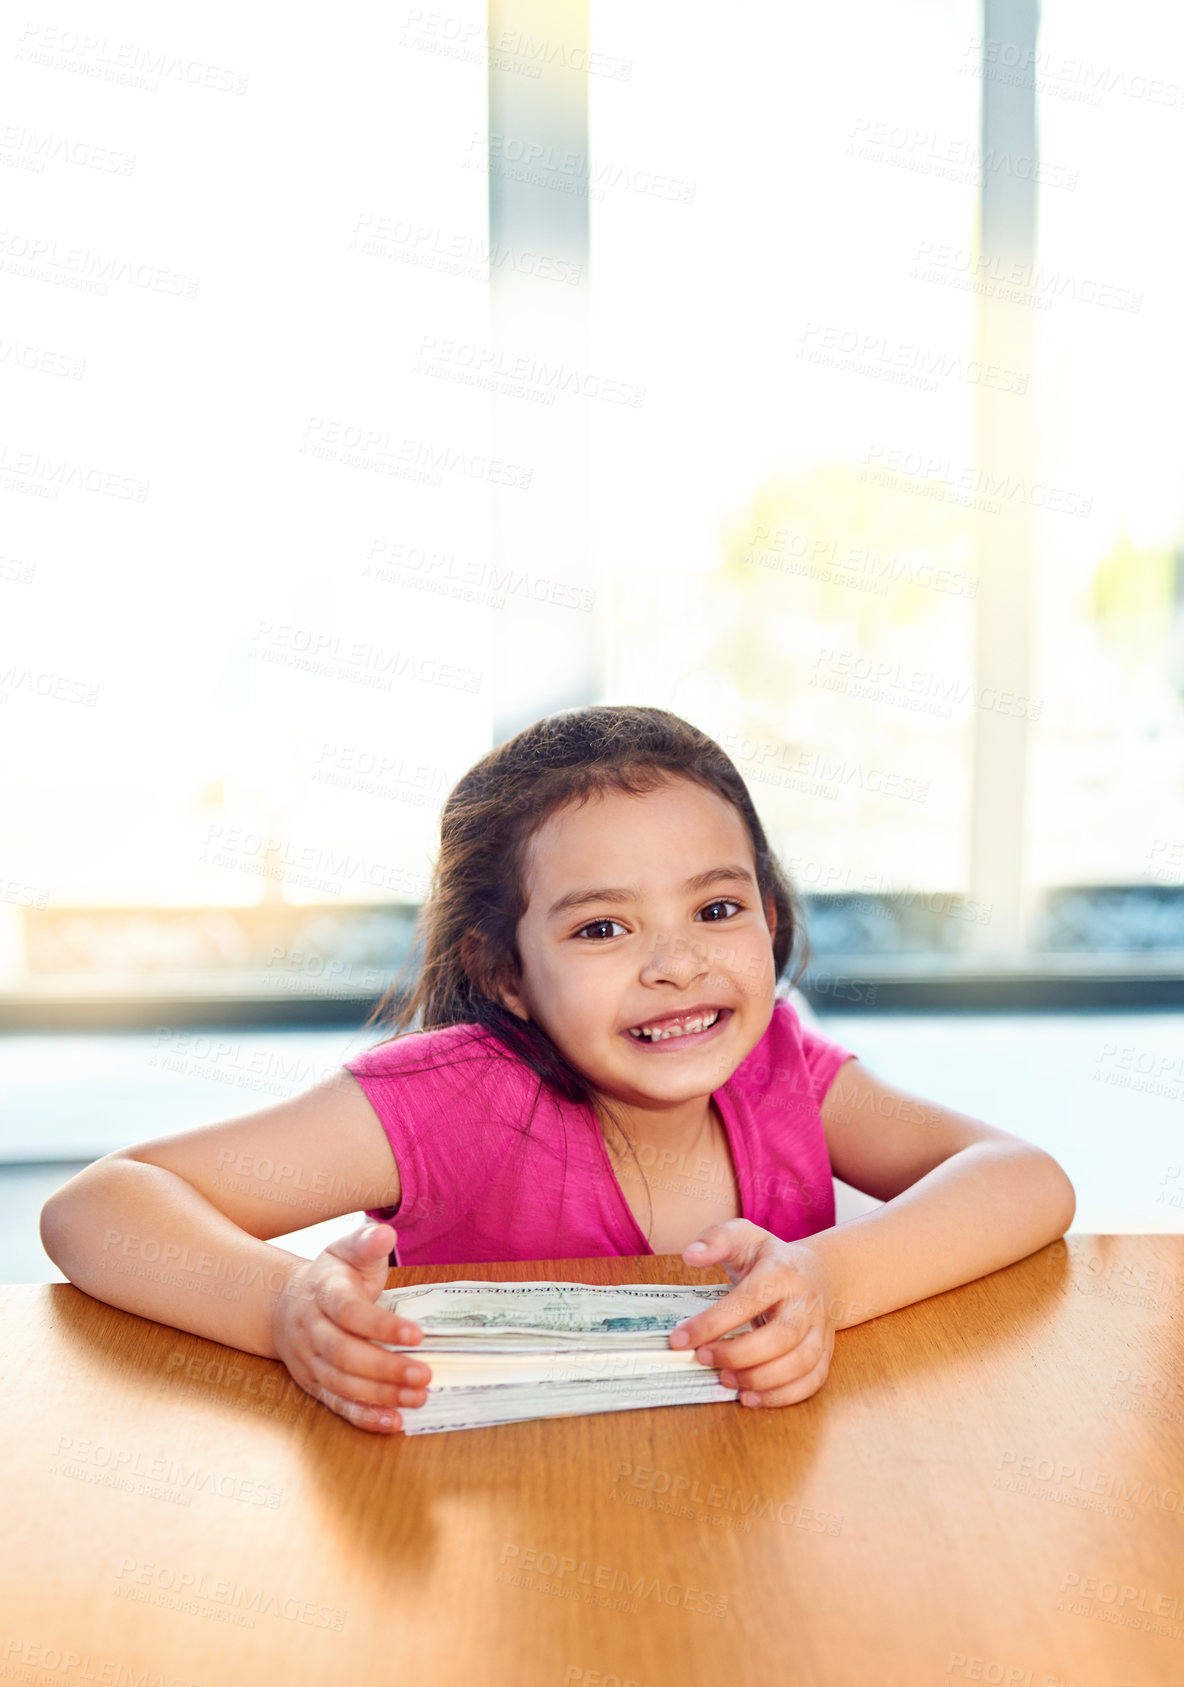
507	1352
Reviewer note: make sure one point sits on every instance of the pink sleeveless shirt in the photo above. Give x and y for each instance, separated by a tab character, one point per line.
495	1166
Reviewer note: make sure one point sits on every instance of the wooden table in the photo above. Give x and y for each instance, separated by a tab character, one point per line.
989	1487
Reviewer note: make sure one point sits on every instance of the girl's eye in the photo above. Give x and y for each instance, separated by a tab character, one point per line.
592	924
724	903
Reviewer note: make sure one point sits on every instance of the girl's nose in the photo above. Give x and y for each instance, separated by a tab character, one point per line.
677	959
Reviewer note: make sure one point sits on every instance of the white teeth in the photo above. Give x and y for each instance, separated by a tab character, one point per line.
681	1028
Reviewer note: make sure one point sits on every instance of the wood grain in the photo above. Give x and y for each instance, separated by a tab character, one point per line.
989	1481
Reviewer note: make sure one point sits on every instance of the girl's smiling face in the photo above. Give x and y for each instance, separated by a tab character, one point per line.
640	909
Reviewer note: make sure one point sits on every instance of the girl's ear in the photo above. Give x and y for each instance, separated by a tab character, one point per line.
498	988
771	917
505	991
509	998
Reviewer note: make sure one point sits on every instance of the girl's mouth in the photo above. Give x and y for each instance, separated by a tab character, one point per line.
711	1025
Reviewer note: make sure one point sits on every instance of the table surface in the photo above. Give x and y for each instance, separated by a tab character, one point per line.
988	1487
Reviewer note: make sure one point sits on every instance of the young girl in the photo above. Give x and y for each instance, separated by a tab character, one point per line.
596	1000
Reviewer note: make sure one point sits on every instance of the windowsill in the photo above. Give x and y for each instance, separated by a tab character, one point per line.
841	983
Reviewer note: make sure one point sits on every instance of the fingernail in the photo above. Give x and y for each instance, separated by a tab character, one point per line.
705	1356
386	1423
414	1374
679	1338
696	1247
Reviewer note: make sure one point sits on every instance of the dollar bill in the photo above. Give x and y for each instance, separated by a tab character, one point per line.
517	1314
510	1352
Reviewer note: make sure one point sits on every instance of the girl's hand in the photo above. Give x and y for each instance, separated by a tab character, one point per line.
322	1327
780	1286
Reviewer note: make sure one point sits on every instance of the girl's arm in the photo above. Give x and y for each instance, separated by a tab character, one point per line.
963	1198
175	1228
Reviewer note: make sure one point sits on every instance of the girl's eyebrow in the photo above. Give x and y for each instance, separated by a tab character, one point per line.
626	893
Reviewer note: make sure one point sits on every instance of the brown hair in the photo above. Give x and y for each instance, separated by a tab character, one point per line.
465	940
